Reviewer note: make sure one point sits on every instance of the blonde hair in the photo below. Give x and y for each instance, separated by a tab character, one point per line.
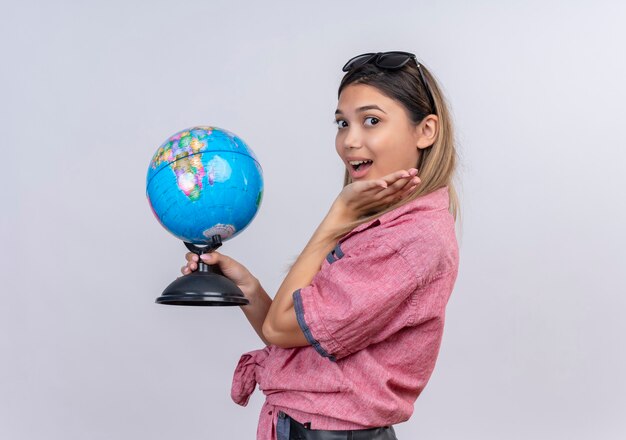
437	163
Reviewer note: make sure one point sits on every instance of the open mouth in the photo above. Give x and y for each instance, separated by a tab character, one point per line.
361	165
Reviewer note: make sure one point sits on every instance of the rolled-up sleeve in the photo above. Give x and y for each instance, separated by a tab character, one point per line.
357	300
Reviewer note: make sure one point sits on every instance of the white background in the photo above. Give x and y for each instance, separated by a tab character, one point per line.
534	339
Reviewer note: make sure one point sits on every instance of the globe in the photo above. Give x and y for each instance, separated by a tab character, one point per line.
204	185
204	182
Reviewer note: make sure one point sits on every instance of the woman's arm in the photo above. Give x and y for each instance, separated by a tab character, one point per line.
260	301
281	326
256	311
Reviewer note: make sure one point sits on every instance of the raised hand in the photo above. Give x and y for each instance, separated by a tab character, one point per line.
364	197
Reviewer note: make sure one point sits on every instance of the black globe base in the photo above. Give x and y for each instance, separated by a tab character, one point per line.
206	286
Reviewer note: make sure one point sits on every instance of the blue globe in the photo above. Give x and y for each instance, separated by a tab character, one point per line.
204	181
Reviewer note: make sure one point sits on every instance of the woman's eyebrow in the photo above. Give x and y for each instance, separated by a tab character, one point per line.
362	109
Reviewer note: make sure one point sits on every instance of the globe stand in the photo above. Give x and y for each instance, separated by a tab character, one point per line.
206	286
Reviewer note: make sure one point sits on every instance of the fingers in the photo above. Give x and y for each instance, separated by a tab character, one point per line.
400	189
372	185
399	175
405	181
188	268
403	190
213	257
408	189
192	263
208	258
393	181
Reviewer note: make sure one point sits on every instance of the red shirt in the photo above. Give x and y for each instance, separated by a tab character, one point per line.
374	315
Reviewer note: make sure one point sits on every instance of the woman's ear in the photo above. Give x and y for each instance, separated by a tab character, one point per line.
426	131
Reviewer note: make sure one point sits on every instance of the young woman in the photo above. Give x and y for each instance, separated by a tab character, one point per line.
353	333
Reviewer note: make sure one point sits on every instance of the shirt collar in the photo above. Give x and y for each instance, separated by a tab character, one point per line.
433	201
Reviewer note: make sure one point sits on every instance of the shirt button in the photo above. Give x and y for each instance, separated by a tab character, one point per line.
281	415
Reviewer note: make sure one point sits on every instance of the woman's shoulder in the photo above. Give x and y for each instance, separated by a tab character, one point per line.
425	235
422	220
422	232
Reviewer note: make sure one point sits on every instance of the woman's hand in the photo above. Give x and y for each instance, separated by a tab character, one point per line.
231	269
260	302
367	196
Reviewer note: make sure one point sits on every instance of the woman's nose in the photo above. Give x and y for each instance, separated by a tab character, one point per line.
352	139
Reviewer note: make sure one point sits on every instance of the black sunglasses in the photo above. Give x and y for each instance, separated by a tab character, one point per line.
393	60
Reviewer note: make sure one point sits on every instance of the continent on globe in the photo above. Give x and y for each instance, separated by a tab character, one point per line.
204	181
225	231
180	150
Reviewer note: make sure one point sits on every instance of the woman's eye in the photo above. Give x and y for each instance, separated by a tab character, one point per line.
339	123
374	120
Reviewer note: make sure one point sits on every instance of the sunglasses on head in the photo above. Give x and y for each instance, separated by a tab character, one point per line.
387	60
393	60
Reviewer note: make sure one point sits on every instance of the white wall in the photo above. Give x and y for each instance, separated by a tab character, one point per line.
533	346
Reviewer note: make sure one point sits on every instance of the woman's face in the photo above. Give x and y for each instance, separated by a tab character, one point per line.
377	129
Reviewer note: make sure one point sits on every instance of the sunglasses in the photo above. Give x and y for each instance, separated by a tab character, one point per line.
391	61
